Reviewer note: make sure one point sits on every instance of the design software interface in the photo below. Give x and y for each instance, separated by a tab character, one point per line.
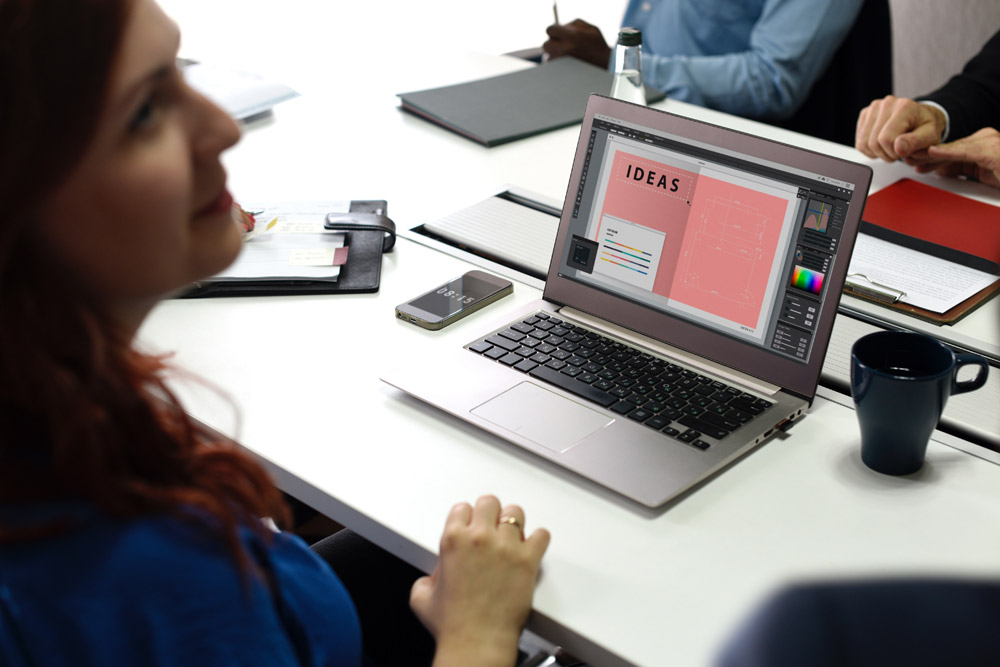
726	241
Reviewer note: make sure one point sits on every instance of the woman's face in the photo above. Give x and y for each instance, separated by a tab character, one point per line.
146	211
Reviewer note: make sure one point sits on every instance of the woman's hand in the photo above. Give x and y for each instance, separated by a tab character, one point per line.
479	596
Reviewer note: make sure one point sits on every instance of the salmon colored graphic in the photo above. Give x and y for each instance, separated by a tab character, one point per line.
727	252
646	193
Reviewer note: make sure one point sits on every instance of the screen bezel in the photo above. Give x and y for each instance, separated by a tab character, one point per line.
795	376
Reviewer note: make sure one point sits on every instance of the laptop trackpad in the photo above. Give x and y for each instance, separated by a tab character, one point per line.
542	416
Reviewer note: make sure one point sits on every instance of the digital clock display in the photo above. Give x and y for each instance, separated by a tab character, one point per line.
454	297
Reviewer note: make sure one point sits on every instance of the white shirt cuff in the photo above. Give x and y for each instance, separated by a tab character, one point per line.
947	118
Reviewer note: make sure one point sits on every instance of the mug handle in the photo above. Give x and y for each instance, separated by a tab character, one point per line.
974	383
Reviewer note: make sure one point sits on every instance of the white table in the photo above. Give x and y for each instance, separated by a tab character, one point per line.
620	584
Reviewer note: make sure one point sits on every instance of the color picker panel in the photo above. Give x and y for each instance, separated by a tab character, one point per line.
810	281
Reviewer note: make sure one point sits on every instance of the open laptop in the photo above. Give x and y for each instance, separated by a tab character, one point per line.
687	309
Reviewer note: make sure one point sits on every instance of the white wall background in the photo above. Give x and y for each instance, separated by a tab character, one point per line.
933	39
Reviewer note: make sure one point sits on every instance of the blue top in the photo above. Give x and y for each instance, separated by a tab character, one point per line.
158	591
754	58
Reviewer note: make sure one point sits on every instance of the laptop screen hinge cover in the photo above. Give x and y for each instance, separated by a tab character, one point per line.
682	357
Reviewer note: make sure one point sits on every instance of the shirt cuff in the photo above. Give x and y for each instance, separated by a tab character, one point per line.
947	118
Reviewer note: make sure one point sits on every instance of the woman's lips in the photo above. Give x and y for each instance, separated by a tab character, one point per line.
221	204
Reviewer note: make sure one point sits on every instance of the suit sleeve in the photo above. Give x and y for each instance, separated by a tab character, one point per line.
972	98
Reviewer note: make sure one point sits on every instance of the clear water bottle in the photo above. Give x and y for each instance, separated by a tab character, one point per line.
628	67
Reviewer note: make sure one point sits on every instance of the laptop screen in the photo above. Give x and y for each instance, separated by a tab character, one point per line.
724	240
725	244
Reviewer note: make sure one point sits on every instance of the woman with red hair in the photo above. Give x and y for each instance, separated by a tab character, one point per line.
127	535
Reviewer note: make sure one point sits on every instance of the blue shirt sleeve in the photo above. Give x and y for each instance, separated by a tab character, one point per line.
754	58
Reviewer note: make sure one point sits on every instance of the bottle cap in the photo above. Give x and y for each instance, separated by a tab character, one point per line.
630	37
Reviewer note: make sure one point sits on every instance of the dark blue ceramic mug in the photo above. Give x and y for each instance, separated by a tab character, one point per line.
900	383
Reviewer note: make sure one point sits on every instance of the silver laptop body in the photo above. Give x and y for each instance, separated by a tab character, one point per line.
714	258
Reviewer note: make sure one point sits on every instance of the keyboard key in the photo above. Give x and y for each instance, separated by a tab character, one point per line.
481	346
525	365
703	426
559	331
540	358
555	340
604	385
505	343
522	328
555	320
704	390
638	399
556	364
657	422
524	352
654	407
763	403
545	326
739	415
531	320
593	368
671	431
745	406
531	342
639	415
589	378
540	334
620	392
542	316
510	359
560	354
576	361
607	374
700	444
721	397
495	353
510	334
689	435
570	347
566	382
622	407
545	348
720	421
571	371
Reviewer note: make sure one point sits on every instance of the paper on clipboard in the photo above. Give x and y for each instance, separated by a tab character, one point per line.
925	281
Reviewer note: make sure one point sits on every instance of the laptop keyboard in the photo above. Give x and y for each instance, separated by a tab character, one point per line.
674	400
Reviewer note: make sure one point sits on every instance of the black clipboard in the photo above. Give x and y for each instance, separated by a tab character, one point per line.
369	233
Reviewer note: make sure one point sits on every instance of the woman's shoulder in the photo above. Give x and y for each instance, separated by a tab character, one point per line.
171	586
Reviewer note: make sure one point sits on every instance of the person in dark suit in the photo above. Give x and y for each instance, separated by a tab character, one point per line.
965	112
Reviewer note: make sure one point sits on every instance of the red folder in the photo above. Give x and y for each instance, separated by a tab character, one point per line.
948	221
937	216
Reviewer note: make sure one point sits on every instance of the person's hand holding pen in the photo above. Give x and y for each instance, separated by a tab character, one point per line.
578	39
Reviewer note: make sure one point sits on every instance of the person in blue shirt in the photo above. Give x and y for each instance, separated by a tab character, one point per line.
128	534
752	58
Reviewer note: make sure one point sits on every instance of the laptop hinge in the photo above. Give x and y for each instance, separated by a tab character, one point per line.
662	349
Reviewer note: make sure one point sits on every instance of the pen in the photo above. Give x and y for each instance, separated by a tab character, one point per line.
555	11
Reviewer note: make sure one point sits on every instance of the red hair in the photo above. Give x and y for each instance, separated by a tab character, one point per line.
78	419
